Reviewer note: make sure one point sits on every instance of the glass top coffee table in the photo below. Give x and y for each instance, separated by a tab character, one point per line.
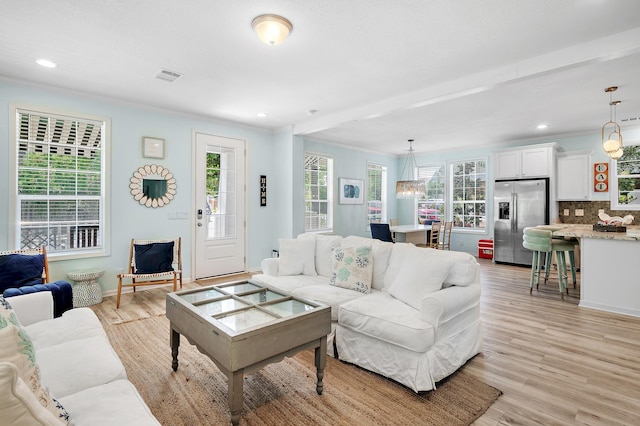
243	326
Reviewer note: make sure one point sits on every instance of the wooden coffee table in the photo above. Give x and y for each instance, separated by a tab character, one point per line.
243	326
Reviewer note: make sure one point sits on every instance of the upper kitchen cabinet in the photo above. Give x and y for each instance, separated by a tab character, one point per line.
525	162
574	176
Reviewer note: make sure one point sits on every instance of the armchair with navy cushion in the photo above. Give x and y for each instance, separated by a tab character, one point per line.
152	262
27	271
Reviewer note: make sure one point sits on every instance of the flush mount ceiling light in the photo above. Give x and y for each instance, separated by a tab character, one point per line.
412	187
272	29
46	63
611	136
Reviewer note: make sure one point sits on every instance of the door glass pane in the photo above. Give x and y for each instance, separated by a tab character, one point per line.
221	192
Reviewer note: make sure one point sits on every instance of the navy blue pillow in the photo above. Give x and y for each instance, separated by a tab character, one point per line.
17	270
154	257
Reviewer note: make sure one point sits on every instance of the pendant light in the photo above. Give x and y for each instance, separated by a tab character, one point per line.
611	136
412	187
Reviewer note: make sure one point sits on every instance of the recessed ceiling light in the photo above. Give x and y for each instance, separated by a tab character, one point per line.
46	63
262	114
542	126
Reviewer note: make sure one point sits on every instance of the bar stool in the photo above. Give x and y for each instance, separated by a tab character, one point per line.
541	241
572	258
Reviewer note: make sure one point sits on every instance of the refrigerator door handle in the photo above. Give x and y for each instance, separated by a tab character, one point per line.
514	217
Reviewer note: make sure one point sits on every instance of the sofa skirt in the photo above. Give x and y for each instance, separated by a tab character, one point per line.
418	371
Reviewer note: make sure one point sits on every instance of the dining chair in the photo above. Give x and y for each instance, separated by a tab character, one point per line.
434	237
152	262
445	242
381	231
394	222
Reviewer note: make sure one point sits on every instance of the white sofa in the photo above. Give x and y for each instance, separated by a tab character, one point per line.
417	323
62	370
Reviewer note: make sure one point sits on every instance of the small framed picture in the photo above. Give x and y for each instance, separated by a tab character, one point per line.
351	191
152	147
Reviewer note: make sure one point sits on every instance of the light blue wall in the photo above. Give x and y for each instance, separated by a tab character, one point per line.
279	155
349	219
129	123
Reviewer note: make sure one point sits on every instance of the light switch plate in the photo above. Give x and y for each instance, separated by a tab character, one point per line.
566	212
579	212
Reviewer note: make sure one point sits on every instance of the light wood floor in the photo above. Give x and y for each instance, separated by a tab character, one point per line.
556	363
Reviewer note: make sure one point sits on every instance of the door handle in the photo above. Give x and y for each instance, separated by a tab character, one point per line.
514	219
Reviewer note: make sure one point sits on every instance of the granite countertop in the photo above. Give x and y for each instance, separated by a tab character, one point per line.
586	231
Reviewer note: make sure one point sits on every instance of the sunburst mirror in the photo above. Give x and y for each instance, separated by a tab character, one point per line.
153	185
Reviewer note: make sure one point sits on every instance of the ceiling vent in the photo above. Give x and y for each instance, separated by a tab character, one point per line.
167	75
630	120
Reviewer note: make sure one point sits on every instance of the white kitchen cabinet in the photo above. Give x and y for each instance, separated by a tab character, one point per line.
574	176
525	162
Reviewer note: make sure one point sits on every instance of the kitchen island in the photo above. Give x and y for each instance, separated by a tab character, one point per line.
609	268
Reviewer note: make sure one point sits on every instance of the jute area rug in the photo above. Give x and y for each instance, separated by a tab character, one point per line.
283	393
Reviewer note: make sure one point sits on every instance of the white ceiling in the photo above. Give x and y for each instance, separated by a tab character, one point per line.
450	74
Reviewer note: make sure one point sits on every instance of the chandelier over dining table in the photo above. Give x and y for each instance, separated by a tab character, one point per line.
411	187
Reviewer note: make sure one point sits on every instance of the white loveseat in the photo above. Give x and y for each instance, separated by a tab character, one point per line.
417	323
62	370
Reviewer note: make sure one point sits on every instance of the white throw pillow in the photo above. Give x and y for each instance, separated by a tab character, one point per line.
18	405
381	255
421	273
324	248
352	268
396	262
17	348
297	256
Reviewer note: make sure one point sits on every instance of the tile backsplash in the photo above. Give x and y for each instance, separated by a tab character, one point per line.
590	209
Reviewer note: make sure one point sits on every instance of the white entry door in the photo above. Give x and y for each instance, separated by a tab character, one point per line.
220	199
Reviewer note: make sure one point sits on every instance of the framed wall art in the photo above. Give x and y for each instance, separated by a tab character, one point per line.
351	191
152	147
263	190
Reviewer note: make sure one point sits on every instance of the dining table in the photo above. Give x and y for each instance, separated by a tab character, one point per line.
415	234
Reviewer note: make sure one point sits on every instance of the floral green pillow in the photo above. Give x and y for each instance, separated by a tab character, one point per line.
17	348
352	268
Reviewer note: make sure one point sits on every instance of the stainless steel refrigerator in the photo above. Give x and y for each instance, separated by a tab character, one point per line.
517	204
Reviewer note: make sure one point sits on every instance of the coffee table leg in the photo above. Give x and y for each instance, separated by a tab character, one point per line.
321	362
174	338
235	395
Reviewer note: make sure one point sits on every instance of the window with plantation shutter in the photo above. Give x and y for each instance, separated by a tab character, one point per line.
431	206
376	193
59	182
318	197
